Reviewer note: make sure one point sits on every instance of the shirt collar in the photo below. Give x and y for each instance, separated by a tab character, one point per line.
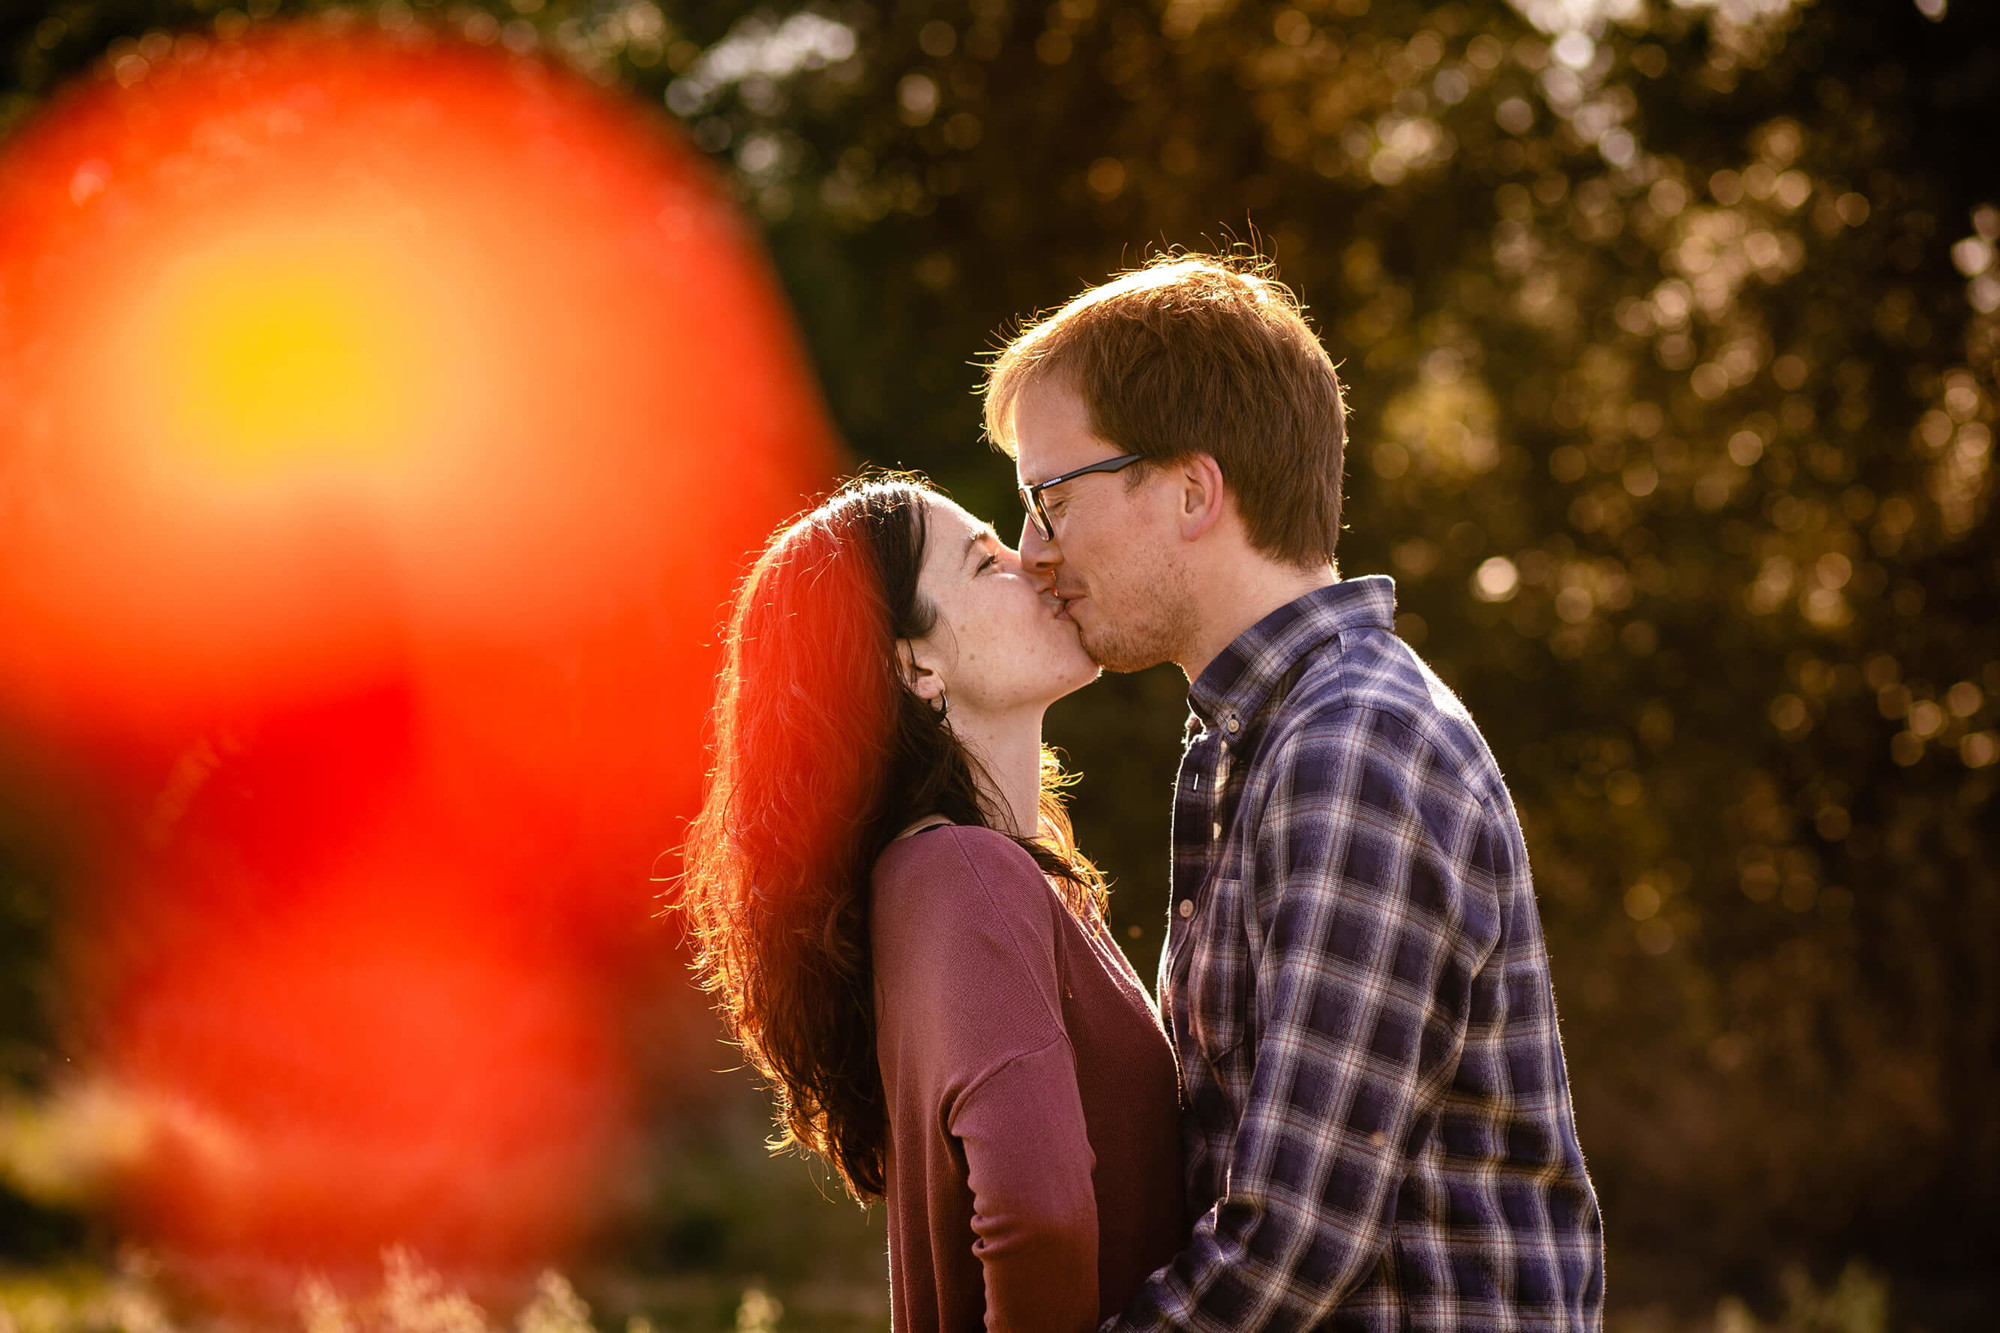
1241	677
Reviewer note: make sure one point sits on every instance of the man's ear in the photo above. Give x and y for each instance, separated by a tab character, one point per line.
919	673
1203	499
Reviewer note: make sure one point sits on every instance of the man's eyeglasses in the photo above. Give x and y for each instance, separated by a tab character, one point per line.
1031	496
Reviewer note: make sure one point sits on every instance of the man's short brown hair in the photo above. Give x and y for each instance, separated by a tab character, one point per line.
1195	354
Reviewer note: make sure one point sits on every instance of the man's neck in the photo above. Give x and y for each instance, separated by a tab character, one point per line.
1237	594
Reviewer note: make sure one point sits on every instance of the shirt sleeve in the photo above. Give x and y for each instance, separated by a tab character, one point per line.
979	993
1373	918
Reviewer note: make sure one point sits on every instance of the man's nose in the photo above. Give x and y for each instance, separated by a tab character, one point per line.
1039	555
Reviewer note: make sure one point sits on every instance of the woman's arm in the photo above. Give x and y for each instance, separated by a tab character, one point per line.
1034	1208
973	1010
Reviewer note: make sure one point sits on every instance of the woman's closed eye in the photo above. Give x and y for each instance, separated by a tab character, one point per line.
989	562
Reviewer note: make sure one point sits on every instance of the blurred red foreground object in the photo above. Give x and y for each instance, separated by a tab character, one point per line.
383	421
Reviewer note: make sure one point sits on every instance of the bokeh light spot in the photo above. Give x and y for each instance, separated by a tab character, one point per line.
385	421
279	353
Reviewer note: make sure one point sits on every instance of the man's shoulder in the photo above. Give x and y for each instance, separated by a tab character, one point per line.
1367	692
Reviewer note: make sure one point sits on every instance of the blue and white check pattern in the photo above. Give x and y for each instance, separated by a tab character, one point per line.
1378	1135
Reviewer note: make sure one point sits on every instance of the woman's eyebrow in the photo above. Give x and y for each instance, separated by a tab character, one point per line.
984	534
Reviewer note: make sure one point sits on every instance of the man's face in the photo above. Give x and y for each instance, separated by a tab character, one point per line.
1114	556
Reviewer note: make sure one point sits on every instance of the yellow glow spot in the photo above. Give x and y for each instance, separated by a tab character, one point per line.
290	353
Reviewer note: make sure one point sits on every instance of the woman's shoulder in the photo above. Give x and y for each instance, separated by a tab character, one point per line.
974	843
959	867
965	951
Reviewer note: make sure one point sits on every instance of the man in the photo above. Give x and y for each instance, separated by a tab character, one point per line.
1377	1130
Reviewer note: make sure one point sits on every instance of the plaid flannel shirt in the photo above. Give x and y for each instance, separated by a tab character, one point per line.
1378	1132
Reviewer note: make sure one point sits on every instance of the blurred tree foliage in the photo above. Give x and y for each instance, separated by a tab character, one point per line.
1672	330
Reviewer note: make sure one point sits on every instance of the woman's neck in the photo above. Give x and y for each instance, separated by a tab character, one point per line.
1009	753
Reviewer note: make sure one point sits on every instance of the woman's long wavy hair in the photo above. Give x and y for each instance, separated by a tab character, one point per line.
822	756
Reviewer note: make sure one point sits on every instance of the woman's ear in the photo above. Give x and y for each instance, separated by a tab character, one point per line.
914	659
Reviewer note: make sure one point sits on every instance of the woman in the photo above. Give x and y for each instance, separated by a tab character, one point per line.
903	937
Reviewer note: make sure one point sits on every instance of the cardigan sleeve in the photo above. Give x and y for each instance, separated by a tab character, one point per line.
968	969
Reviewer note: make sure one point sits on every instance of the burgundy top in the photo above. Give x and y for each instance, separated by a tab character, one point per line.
1034	1161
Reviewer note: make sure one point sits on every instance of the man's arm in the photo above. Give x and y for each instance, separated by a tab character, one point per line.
1373	925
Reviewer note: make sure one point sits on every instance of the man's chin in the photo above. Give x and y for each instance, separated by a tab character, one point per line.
1113	653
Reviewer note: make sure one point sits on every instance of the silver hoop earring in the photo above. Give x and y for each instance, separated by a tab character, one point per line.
941	705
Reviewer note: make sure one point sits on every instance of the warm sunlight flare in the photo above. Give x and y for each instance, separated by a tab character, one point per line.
383	421
292	351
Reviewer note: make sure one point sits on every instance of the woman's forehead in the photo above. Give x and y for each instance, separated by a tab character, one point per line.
951	523
950	532
943	506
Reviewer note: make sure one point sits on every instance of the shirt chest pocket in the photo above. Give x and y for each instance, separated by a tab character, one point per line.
1220	991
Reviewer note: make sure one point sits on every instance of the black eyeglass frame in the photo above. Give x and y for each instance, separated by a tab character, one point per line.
1031	496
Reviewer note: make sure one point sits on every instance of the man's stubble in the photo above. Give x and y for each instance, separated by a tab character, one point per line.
1151	620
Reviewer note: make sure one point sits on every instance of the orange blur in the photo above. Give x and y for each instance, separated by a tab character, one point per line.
383	422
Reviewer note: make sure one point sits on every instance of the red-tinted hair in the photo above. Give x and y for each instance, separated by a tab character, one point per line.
823	755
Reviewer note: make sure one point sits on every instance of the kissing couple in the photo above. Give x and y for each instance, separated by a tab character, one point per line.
1349	1109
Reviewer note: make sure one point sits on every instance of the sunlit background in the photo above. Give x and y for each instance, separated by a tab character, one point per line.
336	747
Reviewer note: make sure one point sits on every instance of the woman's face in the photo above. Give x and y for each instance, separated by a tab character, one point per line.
998	646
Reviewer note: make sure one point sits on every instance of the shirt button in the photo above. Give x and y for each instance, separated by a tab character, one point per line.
1187	908
1234	726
